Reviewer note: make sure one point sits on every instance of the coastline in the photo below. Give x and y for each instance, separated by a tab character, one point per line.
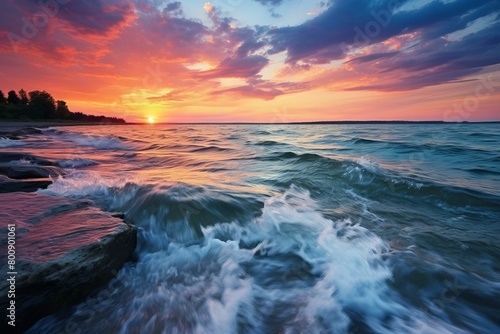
195	181
51	271
6	126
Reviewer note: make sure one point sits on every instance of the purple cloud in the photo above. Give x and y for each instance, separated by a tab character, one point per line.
236	68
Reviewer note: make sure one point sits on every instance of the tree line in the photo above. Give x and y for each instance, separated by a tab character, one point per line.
40	105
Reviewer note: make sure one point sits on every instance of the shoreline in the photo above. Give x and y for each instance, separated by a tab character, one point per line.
17	125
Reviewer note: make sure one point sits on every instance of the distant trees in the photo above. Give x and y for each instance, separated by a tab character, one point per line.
62	110
40	105
12	97
23	96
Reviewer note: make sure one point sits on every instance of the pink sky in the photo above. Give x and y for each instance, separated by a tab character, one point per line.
258	61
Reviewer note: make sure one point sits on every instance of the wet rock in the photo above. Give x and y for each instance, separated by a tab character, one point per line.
65	249
29	171
17	134
8	185
9	157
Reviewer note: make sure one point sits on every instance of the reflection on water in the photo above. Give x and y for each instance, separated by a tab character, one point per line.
280	228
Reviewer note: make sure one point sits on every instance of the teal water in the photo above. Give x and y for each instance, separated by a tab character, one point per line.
368	228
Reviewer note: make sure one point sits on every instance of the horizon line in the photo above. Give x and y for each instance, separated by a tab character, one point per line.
323	122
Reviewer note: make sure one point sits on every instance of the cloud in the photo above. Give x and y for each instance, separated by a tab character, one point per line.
237	68
174	95
373	56
97	17
404	47
384	45
63	33
250	92
173	6
270	3
347	24
262	89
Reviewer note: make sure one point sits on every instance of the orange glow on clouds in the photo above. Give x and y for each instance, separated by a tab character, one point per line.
187	65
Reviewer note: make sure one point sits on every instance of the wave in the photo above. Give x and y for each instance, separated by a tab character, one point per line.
288	268
90	184
6	142
99	142
268	143
260	133
106	142
366	175
365	141
76	162
298	157
438	148
262	255
482	134
210	149
482	171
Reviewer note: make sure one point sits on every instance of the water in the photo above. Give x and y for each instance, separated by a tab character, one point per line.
290	228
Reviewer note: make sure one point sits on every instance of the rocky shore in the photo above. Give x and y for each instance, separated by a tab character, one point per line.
63	249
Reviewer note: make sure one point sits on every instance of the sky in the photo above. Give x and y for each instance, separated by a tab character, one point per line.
269	61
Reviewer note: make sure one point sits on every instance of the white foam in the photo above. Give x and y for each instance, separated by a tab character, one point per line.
346	257
90	184
99	142
22	161
206	288
368	164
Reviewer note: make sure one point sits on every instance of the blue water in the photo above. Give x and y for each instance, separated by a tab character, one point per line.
380	228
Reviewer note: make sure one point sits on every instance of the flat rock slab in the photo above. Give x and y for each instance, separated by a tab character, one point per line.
8	185
16	156
65	249
29	171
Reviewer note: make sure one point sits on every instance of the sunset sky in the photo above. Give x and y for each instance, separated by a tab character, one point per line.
258	60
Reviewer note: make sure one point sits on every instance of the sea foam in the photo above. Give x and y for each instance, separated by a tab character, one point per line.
101	142
291	269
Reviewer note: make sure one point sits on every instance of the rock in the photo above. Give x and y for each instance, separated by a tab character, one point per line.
8	185
19	133
65	249
15	156
29	171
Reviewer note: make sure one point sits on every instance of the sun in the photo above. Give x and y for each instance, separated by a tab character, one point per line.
151	119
